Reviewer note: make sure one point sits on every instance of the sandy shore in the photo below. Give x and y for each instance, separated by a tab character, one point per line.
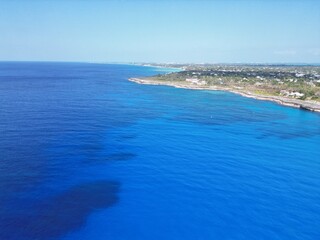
303	104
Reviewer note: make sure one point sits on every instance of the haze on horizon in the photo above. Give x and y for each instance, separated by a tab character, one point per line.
161	31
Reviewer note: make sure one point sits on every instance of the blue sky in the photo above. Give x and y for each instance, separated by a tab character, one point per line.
230	31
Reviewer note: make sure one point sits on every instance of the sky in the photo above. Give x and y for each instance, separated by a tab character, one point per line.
180	31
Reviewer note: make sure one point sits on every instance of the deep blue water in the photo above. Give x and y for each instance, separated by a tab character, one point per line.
86	154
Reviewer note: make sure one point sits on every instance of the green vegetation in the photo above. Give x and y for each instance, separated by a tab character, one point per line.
300	82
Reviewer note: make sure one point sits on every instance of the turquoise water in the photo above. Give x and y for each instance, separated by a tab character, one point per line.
86	154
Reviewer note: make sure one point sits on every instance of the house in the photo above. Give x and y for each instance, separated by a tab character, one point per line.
286	93
196	81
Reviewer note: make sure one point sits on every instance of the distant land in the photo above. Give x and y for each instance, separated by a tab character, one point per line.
295	85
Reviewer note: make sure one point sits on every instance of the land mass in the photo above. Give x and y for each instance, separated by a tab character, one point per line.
289	85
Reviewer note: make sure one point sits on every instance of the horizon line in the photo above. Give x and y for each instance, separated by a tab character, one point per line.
167	63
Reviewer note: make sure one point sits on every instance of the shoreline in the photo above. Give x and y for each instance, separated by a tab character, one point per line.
177	69
296	103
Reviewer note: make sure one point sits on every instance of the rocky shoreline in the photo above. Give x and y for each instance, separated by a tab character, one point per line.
297	103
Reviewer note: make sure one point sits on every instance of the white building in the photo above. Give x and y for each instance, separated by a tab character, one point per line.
286	93
196	81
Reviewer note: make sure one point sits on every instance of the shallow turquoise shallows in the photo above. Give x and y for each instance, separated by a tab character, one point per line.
87	155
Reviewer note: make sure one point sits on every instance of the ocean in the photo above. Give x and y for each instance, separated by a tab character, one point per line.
86	154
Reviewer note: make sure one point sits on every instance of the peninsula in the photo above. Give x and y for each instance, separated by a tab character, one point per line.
289	85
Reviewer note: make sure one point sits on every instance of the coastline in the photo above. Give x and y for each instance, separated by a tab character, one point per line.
289	102
176	69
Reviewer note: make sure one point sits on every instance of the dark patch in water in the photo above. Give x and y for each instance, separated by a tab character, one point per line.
283	131
129	136
95	147
288	135
121	156
58	216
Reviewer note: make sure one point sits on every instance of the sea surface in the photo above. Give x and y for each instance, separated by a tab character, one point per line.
86	154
